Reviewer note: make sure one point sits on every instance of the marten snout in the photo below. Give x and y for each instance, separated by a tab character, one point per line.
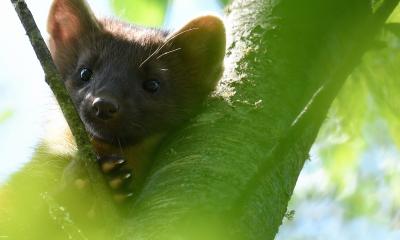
104	108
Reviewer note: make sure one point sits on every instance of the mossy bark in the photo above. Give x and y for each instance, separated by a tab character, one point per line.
230	173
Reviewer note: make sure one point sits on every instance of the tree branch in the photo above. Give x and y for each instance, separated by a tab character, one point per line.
306	125
232	171
86	155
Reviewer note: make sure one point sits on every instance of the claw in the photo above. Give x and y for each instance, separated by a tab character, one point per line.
122	197
80	183
127	176
120	180
119	177
110	165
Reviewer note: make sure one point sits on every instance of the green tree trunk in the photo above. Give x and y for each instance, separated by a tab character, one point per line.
230	173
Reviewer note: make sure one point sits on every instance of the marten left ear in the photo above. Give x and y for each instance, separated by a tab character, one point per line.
70	23
202	44
69	20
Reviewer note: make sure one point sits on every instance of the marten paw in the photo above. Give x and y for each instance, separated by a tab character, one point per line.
118	176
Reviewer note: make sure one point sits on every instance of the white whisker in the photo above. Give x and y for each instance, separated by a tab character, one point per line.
162	46
166	53
120	147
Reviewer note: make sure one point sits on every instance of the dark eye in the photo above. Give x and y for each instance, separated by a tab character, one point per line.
85	74
151	86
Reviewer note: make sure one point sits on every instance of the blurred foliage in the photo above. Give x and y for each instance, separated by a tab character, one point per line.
395	16
149	12
383	79
364	119
5	115
225	2
376	4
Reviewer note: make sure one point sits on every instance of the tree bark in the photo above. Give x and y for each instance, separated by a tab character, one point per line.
229	174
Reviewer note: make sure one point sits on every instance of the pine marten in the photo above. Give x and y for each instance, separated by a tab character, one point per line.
132	85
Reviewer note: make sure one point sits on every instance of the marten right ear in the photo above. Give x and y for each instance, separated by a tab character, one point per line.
201	45
68	22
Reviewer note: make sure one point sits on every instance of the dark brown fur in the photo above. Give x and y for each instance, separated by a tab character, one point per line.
187	63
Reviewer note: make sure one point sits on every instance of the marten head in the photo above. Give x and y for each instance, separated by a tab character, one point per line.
129	82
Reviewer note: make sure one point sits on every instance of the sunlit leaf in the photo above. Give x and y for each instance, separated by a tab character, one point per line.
339	141
225	2
382	75
376	4
395	16
364	201
341	161
393	28
393	179
5	115
149	12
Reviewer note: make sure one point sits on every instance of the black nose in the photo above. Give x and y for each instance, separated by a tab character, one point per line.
105	108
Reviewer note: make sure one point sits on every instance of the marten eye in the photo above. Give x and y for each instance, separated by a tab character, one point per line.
151	85
85	74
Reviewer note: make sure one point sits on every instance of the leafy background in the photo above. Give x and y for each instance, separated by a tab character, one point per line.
350	187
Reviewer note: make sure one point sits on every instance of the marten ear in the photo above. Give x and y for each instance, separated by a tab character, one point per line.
69	20
202	44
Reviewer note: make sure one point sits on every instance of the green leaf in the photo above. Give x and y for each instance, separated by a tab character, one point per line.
5	115
340	142
381	72
225	2
149	12
395	16
364	201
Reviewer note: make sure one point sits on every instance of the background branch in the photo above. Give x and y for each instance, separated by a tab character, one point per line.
53	78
